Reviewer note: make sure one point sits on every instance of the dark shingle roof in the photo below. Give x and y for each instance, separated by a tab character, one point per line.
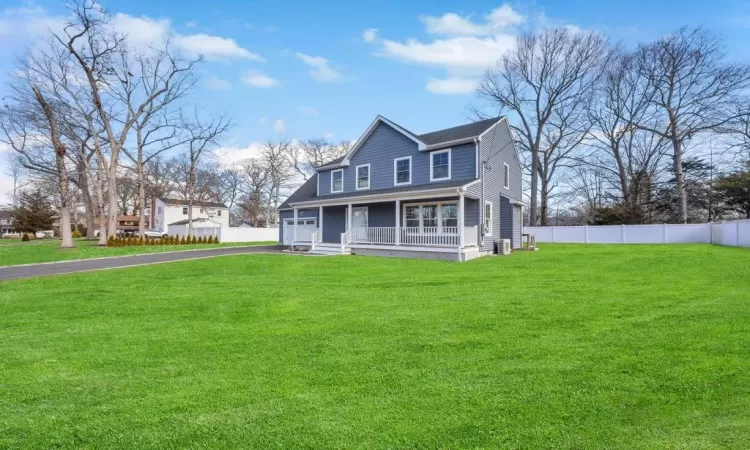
333	161
176	201
308	191
470	130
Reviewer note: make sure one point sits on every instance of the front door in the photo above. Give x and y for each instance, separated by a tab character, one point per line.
359	224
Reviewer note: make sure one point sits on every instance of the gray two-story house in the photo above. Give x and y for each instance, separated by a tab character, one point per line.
450	194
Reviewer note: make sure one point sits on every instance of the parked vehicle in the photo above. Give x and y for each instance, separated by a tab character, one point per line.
154	234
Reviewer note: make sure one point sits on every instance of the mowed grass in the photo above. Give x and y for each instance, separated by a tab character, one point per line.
571	346
13	252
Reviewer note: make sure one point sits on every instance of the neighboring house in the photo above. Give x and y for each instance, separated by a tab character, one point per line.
450	194
125	224
6	223
170	211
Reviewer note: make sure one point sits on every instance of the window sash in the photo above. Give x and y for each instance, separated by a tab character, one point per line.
488	219
440	165
337	181
449	215
403	171
363	181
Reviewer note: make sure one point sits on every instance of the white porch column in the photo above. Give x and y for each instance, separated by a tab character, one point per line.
461	219
398	222
320	222
349	216
294	237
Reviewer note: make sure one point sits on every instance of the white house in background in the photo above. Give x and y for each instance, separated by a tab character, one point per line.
171	211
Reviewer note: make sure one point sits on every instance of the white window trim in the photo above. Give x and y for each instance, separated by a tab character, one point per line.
356	177
439	217
506	179
395	171
484	217
432	165
342	180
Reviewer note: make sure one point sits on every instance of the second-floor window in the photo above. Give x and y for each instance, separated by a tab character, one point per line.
184	211
337	180
440	168
363	176
402	171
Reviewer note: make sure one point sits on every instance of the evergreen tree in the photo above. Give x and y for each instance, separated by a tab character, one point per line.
33	213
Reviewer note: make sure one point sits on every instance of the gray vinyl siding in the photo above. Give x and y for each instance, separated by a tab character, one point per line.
386	144
494	149
507	220
518	217
334	223
301	214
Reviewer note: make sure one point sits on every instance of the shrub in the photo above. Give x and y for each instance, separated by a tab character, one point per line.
76	234
141	241
175	240
195	240
210	240
182	241
201	240
111	241
25	238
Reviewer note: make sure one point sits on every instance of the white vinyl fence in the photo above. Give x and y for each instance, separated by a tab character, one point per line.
230	234
733	233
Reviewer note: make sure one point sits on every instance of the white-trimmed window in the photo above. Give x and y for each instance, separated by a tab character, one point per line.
506	176
488	218
440	165
402	171
363	176
441	217
337	180
184	211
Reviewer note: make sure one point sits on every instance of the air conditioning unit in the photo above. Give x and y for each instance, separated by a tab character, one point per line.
505	246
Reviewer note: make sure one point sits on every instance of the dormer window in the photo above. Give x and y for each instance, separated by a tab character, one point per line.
337	180
363	177
440	165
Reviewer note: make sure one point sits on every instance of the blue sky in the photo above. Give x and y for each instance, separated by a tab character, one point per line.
312	69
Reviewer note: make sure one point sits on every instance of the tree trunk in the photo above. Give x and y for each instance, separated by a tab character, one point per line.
100	205
190	192
545	203
533	210
141	198
679	181
112	199
88	202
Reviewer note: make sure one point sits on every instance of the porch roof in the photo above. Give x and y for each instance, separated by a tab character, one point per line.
311	198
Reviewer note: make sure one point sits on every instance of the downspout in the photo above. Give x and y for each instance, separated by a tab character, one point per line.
481	204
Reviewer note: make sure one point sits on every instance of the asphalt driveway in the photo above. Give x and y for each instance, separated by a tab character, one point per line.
85	265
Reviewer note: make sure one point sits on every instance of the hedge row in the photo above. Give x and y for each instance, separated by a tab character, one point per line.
169	240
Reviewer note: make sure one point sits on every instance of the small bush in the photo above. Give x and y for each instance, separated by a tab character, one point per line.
201	240
111	241
25	238
76	234
175	240
182	241
195	240
141	242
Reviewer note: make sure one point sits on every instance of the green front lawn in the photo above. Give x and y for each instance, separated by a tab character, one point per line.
48	250
571	346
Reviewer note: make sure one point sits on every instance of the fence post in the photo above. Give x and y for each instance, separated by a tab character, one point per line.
738	233
623	234
586	233
554	239
664	233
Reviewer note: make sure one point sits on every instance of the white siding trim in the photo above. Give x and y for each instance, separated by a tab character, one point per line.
356	177
450	158
395	174
342	180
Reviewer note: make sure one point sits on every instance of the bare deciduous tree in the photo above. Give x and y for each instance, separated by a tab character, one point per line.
546	81
691	90
306	155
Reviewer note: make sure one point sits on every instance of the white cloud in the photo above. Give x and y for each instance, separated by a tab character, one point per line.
452	24
142	32
279	126
449	86
320	70
215	83
370	35
20	25
191	24
328	135
214	47
228	155
259	79
462	53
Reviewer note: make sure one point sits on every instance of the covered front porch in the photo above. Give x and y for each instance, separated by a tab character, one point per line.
410	224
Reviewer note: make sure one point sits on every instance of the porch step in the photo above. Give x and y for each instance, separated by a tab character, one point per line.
330	249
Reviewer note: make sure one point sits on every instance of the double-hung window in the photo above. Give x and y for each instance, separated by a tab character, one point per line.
337	180
449	216
402	171
488	218
506	176
440	165
411	216
363	177
429	217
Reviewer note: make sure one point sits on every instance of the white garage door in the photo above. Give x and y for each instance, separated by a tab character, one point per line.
301	223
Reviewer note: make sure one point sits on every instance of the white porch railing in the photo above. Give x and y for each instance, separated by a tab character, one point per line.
317	238
346	239
305	233
429	236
